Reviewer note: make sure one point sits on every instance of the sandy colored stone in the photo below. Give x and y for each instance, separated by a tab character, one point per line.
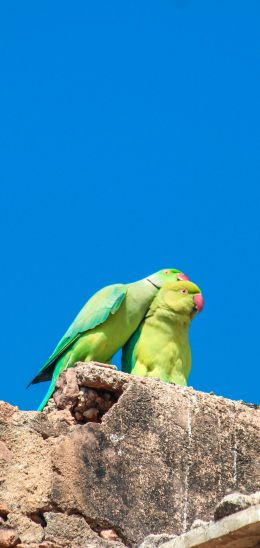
44	544
67	390
4	510
72	531
8	538
91	414
68	529
29	530
108	534
154	541
162	457
5	454
6	410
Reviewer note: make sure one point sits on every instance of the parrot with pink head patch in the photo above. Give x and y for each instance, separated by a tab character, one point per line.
160	346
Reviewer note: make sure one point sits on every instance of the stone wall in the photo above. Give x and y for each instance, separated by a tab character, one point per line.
115	458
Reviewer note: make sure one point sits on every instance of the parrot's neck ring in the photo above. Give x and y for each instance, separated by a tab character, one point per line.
157	287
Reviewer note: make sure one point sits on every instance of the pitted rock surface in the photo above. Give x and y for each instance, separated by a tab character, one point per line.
159	458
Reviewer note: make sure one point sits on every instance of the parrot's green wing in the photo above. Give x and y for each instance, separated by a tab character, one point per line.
128	352
95	312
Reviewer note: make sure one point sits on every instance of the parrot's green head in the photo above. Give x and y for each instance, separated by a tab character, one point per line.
168	275
181	297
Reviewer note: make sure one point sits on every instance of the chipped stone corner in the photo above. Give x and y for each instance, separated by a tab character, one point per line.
88	391
238	530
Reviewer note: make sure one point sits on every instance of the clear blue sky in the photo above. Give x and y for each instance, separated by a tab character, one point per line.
129	138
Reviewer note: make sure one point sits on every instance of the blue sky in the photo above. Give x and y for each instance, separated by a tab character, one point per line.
129	139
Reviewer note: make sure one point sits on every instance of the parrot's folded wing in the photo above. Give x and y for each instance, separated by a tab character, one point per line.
95	312
128	352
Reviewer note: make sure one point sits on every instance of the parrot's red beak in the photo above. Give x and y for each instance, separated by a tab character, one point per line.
182	277
198	301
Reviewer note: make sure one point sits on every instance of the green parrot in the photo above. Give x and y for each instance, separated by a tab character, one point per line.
160	345
103	325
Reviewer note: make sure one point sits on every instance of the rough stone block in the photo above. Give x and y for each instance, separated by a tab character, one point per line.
154	461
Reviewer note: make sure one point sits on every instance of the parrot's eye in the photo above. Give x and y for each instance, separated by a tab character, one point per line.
185	291
167	271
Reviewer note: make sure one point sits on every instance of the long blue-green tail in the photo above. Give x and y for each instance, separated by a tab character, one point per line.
62	364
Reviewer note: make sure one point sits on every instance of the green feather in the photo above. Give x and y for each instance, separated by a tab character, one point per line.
160	345
63	364
128	352
95	312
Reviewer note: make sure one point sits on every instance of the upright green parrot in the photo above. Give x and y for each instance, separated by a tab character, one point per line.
103	325
160	345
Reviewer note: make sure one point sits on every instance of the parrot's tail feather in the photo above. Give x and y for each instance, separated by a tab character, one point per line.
48	395
62	364
44	375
